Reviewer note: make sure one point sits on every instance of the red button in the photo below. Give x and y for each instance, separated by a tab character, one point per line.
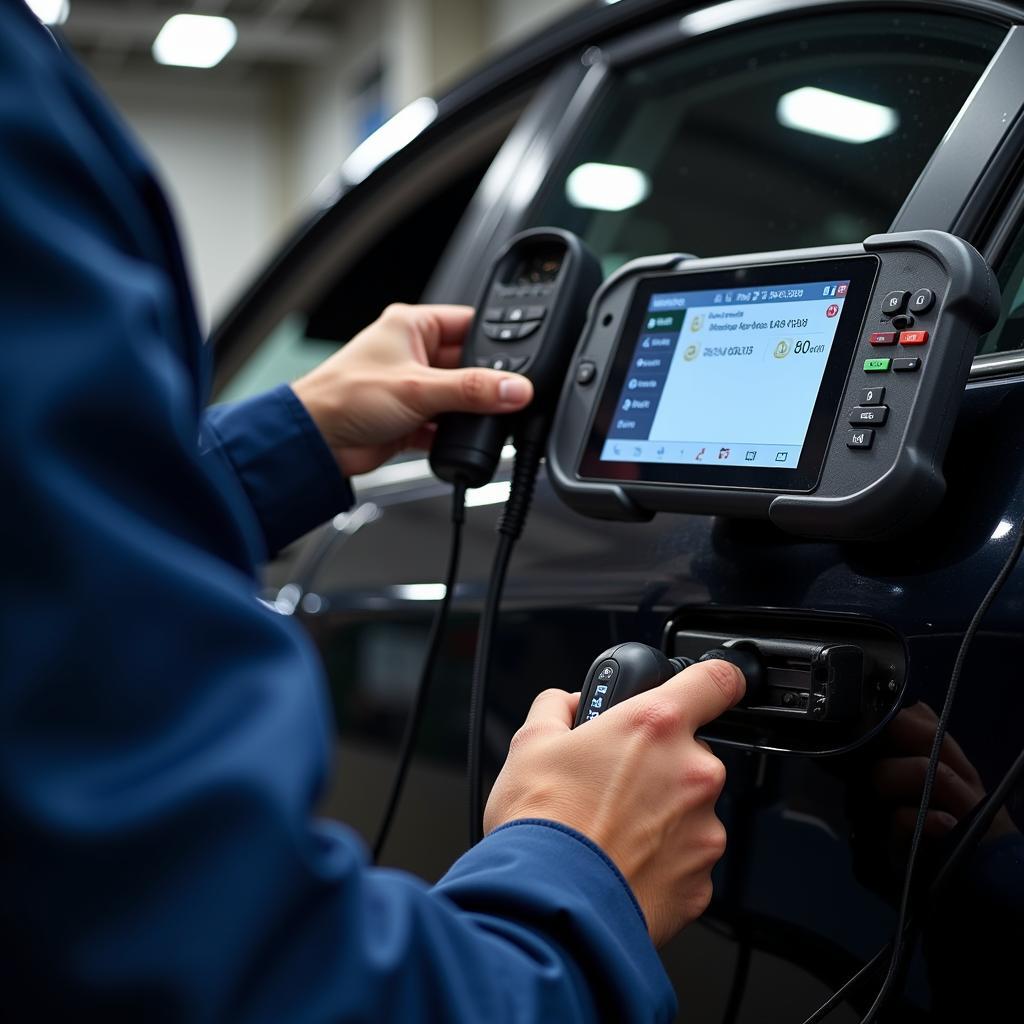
883	338
913	337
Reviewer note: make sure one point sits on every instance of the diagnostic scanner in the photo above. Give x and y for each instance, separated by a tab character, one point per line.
816	388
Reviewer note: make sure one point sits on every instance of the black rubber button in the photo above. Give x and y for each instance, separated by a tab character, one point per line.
585	372
869	414
902	321
526	328
860	439
906	365
922	300
894	302
872	396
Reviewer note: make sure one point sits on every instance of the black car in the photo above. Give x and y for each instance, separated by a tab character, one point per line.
701	107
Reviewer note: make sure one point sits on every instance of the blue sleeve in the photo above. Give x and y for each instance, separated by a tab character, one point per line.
163	736
281	460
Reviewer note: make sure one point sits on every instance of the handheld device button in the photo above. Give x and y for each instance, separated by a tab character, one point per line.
876	365
535	312
922	300
902	321
872	396
860	439
913	337
906	365
494	313
526	328
586	372
883	338
599	696
518	362
873	414
501	332
894	302
515	313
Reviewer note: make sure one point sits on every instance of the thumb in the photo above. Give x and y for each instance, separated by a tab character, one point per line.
472	389
554	710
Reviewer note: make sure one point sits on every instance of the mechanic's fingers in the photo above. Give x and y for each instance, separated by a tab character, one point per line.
912	731
438	326
421	439
554	709
470	390
902	779
703	691
936	824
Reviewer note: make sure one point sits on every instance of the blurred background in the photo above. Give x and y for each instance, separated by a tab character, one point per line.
293	88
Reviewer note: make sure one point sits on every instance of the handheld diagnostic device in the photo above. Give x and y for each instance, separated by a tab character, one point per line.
527	321
816	388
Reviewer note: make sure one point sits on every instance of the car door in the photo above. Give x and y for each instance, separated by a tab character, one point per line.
692	106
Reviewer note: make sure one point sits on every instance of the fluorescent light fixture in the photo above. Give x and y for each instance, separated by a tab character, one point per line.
195	41
489	494
606	187
835	116
388	139
50	12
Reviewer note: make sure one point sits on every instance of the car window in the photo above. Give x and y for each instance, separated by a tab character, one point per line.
1008	334
809	132
394	266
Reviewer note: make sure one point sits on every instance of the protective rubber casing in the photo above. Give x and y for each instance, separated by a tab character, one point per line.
859	494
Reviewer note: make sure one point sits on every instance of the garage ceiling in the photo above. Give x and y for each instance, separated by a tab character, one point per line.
274	32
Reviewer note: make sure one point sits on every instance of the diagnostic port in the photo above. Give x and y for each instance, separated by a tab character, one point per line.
820	692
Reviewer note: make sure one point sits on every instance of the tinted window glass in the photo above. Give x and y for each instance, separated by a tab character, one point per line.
1009	332
805	133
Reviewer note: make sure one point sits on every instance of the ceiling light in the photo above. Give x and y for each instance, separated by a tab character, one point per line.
50	12
195	41
606	187
388	139
835	116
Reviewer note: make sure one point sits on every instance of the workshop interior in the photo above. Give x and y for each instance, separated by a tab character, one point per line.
763	264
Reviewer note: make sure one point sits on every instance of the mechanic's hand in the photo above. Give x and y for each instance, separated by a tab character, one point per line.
377	395
635	781
899	780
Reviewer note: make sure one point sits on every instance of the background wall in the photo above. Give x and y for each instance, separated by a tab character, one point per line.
243	145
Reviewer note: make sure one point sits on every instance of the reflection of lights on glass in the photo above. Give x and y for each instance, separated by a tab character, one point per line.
50	12
419	591
287	599
606	187
388	139
835	116
195	40
489	494
1002	529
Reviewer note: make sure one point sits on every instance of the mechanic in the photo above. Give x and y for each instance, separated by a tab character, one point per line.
164	735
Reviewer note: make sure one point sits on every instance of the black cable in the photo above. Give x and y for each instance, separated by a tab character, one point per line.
529	441
979	820
900	933
437	629
478	691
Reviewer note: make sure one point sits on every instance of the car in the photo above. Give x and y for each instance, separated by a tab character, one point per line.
913	118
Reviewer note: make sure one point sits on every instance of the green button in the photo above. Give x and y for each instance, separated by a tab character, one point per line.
876	365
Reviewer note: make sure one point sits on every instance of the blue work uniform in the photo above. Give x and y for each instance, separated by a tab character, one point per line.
163	735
